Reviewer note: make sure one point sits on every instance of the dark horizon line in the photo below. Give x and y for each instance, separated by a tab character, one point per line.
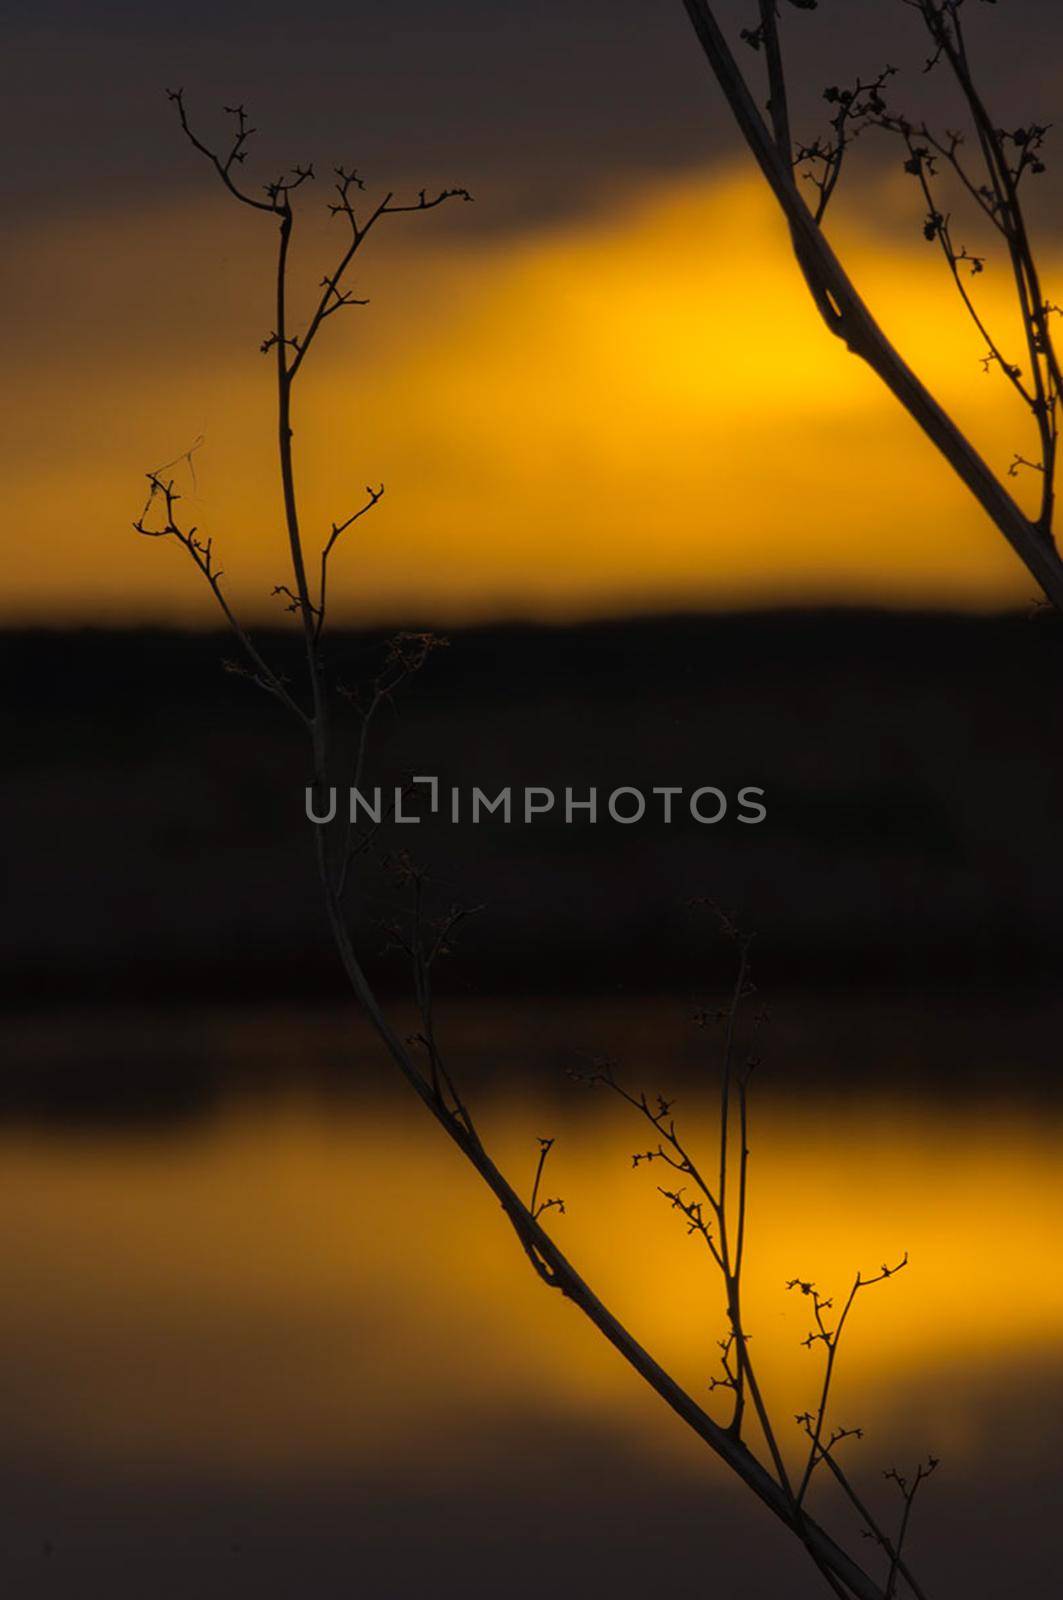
786	611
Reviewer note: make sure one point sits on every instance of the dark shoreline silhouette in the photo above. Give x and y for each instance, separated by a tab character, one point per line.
158	848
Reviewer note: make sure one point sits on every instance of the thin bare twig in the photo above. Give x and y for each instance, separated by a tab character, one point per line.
427	939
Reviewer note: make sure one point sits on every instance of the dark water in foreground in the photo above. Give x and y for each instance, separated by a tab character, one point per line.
285	1346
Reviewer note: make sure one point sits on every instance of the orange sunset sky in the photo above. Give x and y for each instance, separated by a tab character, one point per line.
627	404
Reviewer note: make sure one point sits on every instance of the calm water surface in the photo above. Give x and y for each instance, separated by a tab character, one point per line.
290	1346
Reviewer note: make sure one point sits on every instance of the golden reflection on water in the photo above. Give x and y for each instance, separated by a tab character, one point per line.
294	1284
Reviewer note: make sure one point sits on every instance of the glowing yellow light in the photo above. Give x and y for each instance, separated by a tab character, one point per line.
629	410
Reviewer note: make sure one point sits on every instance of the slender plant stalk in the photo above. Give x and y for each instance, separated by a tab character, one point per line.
434	1085
846	313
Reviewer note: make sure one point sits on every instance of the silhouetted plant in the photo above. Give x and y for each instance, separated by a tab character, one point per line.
714	1210
717	1211
991	180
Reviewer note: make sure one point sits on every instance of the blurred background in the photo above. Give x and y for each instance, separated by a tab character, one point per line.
262	1332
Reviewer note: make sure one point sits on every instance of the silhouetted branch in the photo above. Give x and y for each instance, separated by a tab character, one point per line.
830	1338
716	1228
908	1490
717	1223
717	1213
237	154
202	553
538	1206
405	655
841	306
338	529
